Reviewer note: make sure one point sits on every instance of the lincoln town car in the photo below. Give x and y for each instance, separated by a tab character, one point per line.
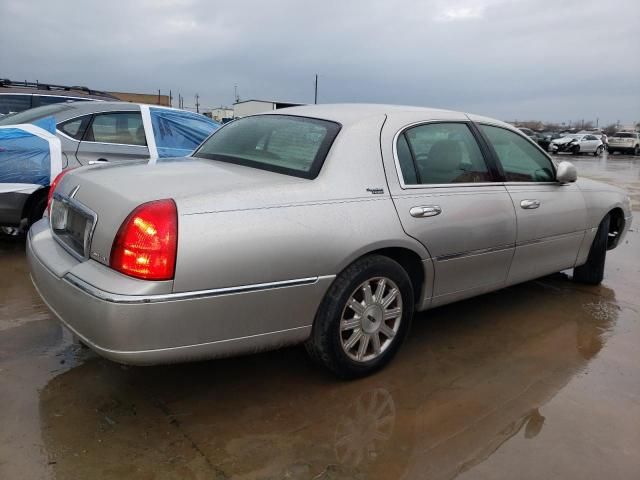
326	225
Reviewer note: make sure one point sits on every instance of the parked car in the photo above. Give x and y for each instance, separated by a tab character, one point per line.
323	224
546	138
625	142
576	144
529	133
85	132
19	96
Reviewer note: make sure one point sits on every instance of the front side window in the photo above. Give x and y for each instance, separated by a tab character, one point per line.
281	143
521	160
439	153
118	127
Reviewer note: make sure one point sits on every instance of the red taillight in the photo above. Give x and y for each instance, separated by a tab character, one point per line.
145	246
53	186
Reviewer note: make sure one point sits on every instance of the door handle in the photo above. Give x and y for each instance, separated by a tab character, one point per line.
100	160
530	204
426	211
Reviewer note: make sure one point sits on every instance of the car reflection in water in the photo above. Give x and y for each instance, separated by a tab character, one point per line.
472	376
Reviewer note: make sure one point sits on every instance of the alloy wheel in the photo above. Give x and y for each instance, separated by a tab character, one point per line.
371	319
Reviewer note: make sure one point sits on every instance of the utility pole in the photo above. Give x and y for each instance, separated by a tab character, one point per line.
197	104
158	96
170	99
315	97
235	93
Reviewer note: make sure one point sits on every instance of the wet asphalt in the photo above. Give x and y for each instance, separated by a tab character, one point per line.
537	381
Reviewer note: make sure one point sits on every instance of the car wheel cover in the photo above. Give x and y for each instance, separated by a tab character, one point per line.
371	319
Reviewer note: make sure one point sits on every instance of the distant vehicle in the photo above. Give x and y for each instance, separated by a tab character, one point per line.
19	96
545	139
323	224
576	144
68	135
529	133
625	142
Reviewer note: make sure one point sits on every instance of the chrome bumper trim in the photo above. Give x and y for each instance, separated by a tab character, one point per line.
168	297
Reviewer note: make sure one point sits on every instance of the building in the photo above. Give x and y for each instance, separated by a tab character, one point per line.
220	114
251	107
148	98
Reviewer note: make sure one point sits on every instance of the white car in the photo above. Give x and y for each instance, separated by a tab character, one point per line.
625	142
577	143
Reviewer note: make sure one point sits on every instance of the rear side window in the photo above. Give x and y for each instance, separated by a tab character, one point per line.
14	103
521	160
624	135
438	153
178	133
76	127
123	128
280	143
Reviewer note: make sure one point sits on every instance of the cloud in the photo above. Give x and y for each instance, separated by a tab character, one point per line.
511	59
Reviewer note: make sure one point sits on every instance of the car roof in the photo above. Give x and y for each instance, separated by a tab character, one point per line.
68	110
349	113
54	93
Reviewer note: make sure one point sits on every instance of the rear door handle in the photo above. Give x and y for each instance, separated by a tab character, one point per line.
426	211
529	204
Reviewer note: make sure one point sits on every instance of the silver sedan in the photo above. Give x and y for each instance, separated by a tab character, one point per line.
324	225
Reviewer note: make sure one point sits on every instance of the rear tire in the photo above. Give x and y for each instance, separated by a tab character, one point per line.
592	272
371	297
36	211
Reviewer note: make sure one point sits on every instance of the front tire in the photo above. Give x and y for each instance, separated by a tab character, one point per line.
592	272
363	318
598	151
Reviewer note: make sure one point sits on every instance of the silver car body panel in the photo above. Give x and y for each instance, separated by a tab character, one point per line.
258	250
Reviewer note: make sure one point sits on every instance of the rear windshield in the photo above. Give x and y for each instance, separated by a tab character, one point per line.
624	135
280	143
29	116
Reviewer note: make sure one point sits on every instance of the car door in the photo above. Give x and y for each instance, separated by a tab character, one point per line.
113	136
551	216
447	197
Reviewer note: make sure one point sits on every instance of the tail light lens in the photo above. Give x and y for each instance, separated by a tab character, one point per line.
53	186
145	245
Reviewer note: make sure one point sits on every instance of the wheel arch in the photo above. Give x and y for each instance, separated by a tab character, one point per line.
415	260
33	199
616	226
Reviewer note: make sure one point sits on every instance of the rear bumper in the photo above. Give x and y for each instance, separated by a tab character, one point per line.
166	328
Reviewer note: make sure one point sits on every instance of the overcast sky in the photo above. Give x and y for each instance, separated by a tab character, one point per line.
530	59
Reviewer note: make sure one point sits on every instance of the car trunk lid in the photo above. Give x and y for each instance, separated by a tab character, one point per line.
97	199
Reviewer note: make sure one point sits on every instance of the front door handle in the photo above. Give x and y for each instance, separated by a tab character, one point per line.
529	204
426	211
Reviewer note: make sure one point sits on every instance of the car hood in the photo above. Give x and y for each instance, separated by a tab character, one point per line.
563	140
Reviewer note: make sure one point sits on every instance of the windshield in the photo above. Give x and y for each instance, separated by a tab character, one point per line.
29	116
624	135
280	143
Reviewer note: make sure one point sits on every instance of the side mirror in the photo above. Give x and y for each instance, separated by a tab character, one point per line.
566	172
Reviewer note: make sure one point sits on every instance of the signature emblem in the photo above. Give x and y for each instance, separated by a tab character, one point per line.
375	191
